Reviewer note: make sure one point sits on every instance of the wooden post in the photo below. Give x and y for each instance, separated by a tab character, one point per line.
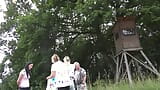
146	66
138	70
127	68
121	62
117	69
149	62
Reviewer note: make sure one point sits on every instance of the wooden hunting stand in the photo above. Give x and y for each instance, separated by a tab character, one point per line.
127	41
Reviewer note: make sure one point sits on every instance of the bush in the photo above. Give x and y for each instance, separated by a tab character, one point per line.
9	83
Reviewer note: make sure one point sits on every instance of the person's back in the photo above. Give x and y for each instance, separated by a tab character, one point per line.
80	77
59	73
70	69
62	77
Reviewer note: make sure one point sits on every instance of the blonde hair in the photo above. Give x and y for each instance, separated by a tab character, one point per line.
76	63
66	59
55	58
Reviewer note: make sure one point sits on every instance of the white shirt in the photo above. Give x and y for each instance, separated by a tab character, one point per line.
61	78
70	70
25	80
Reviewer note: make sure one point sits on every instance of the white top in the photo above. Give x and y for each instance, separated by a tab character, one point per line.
70	70
25	80
61	78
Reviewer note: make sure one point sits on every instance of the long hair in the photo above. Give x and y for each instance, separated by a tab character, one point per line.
55	58
67	59
28	72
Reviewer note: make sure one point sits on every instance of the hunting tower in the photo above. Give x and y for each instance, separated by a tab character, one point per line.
126	41
125	34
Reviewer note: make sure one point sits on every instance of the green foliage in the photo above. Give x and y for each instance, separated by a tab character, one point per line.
9	83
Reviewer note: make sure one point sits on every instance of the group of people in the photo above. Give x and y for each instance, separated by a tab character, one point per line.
63	76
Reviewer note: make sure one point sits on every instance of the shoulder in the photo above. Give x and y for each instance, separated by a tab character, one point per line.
60	64
56	66
57	63
52	65
83	70
72	66
23	71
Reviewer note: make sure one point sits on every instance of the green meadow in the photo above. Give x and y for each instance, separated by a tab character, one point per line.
103	85
137	85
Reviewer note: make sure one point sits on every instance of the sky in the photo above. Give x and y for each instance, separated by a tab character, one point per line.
2	8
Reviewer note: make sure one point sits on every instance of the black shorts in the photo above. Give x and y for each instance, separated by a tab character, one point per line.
64	88
26	88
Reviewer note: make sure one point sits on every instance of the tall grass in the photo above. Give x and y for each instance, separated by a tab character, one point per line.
138	85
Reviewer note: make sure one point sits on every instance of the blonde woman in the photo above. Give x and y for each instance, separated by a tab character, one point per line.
59	73
50	81
70	69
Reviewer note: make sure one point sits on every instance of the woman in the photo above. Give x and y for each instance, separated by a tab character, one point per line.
50	81
59	73
24	76
80	77
70	69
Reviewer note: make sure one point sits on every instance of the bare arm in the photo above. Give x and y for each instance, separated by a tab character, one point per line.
84	79
52	75
19	79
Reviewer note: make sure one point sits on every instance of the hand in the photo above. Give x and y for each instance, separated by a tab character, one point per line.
18	83
47	77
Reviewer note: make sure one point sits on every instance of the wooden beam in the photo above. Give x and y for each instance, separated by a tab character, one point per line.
127	68
149	61
146	66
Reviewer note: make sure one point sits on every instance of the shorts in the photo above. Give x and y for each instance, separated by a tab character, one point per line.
64	88
26	88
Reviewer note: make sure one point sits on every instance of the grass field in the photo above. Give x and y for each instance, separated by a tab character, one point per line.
102	85
138	85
